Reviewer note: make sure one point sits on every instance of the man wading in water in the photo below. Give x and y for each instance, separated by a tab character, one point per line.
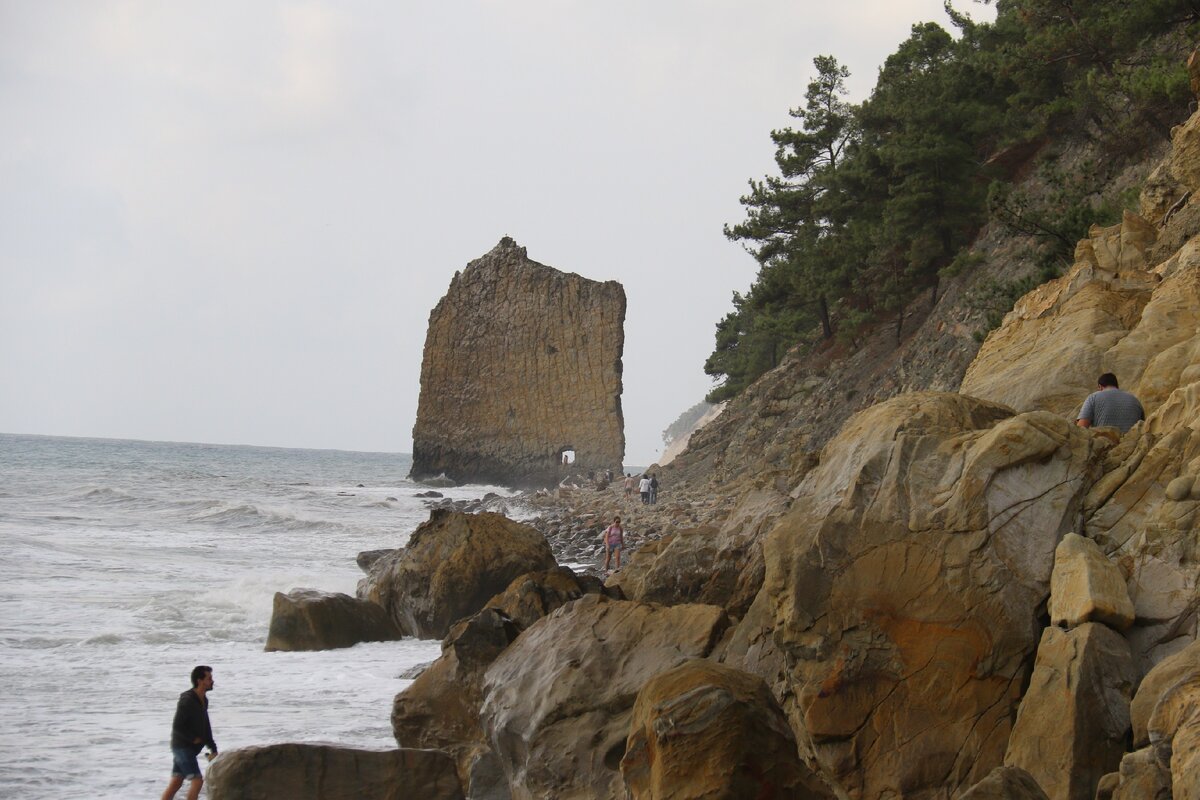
190	732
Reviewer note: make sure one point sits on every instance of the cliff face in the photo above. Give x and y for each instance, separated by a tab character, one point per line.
522	362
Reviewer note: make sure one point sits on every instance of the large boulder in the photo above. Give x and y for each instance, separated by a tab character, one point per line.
558	701
375	563
440	709
1174	732
326	772
307	619
1142	776
902	590
1073	721
1006	783
1167	674
534	595
707	730
453	565
701	565
1086	587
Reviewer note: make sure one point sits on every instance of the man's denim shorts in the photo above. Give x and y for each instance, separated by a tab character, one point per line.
185	763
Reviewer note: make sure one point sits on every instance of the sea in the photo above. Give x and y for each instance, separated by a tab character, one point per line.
123	564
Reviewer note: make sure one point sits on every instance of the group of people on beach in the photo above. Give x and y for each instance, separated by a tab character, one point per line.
647	486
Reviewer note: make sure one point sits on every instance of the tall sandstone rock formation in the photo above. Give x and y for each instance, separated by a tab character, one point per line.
522	363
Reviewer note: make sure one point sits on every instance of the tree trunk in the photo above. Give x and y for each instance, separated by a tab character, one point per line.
826	325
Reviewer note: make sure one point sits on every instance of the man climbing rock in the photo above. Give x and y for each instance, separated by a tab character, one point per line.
1110	406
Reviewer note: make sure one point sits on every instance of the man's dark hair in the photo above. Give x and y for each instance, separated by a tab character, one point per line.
198	674
1108	379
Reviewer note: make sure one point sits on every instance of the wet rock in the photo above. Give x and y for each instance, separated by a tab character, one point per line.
453	565
327	772
306	619
367	558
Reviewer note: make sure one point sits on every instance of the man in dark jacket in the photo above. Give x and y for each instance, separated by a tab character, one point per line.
190	733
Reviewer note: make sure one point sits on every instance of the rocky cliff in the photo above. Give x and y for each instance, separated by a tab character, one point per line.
522	363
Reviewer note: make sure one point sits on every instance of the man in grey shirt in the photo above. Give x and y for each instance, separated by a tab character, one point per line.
1110	406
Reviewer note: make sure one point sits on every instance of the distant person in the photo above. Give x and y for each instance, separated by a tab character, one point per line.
644	488
190	733
1110	406
614	541
629	482
653	488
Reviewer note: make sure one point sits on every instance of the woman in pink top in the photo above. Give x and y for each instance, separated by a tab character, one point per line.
614	540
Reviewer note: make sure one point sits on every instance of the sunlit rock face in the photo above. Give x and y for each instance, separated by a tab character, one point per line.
522	365
899	610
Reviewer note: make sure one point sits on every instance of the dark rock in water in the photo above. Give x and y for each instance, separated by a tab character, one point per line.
540	379
430	493
453	565
367	558
306	619
324	772
391	499
440	481
360	486
414	672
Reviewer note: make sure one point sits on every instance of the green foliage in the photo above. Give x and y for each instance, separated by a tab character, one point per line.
685	421
873	204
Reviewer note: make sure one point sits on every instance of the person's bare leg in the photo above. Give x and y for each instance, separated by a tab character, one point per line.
194	789
173	787
607	557
618	558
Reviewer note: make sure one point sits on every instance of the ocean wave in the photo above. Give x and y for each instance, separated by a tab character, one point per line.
105	639
252	516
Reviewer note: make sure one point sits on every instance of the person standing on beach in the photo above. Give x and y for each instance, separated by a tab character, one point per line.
644	488
653	488
191	733
614	541
628	484
1111	406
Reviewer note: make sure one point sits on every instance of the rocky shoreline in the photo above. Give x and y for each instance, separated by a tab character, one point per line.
962	595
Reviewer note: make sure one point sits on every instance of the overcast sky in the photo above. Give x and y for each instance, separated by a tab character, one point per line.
228	221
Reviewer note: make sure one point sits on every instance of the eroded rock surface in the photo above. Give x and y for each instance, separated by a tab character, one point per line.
453	565
558	701
307	619
1006	783
706	730
902	589
521	363
1074	718
326	772
1086	587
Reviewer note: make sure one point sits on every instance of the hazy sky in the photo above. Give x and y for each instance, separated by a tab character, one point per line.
228	221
